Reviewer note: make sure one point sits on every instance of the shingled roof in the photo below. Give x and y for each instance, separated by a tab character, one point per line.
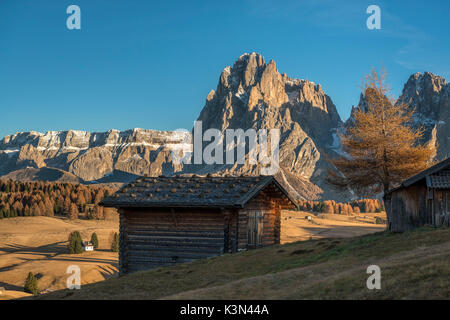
192	191
437	176
431	170
438	181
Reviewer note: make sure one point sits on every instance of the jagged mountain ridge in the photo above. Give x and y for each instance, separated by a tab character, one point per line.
250	94
253	94
429	96
91	156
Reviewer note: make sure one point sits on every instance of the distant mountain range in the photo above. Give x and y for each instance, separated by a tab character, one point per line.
250	94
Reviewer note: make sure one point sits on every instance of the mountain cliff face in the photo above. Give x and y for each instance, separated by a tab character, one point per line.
429	95
91	156
250	94
253	94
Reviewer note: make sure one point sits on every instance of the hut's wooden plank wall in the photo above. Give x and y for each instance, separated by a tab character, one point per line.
440	208
242	230
406	209
423	199
154	237
263	204
159	237
231	230
416	206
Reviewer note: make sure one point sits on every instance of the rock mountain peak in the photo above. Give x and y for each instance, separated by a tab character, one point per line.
251	93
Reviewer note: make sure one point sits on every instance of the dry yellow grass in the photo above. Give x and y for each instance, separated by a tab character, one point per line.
295	226
331	280
414	265
39	245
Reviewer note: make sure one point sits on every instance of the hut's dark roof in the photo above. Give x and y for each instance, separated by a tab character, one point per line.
426	174
438	181
421	175
192	191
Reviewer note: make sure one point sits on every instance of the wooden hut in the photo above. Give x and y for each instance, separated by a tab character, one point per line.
87	246
423	199
169	220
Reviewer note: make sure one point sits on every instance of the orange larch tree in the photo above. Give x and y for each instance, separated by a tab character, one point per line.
381	147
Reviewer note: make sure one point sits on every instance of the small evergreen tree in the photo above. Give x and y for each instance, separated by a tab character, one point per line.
94	240
115	243
75	243
31	284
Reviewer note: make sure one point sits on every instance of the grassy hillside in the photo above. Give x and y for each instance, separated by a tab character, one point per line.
39	245
414	265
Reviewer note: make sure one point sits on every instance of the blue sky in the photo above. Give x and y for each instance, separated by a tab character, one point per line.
151	64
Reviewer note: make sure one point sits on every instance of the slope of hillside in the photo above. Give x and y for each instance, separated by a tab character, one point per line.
41	174
414	265
39	245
